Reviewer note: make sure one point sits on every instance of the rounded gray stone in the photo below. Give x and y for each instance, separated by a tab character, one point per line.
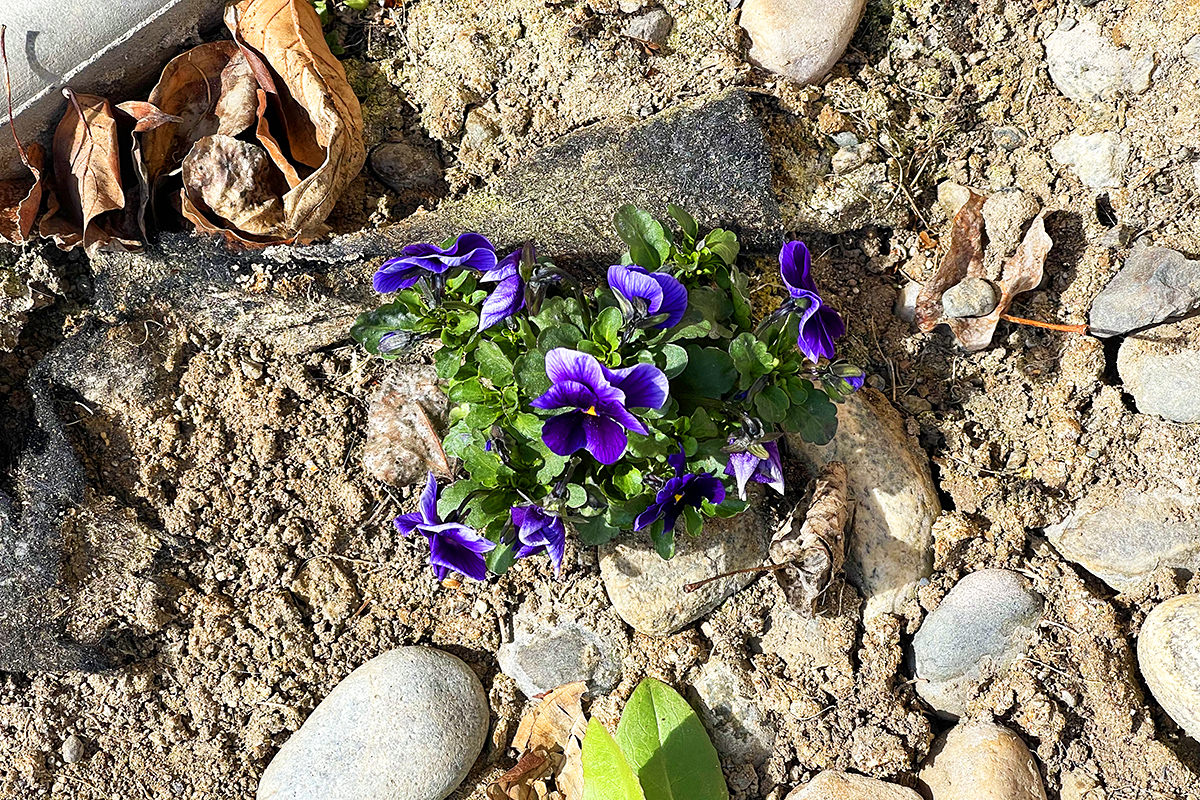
647	590
543	655
970	297
1154	285
1168	652
982	626
653	25
406	725
801	39
729	707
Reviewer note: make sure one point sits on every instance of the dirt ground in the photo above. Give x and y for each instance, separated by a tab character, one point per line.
262	566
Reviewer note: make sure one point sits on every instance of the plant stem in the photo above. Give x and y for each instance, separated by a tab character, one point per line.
1052	326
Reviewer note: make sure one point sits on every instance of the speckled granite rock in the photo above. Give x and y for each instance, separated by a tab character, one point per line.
981	626
1154	285
406	725
981	761
547	652
648	592
1123	536
832	785
1168	651
890	544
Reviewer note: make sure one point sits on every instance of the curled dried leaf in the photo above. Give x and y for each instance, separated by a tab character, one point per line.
811	554
550	740
964	257
322	117
234	181
21	199
549	724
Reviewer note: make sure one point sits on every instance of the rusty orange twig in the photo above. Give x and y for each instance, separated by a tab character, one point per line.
1053	326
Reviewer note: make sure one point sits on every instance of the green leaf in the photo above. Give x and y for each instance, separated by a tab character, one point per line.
739	294
666	745
702	426
675	359
594	531
751	357
552	466
530	373
561	335
357	5
500	558
692	521
483	466
372	326
628	480
447	361
709	373
648	243
452	496
576	495
480	416
607	327
606	773
468	391
815	420
664	540
493	364
723	244
771	404
712	303
528	425
687	223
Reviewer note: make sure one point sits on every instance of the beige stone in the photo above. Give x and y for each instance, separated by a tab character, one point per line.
1168	652
981	761
801	39
831	785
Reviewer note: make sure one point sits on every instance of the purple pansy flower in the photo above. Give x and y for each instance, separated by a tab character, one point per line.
539	531
509	295
657	291
469	251
685	490
452	547
819	324
598	400
744	466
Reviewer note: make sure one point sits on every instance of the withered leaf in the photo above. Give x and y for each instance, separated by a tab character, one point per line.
328	136
811	554
513	785
21	199
86	185
964	256
232	180
549	724
550	739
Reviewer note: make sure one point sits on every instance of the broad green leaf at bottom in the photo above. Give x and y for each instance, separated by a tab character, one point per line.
606	773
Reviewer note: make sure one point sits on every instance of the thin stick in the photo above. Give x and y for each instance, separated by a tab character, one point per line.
691	587
12	124
70	95
1052	326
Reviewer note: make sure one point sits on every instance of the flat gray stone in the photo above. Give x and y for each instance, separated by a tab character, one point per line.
546	653
741	730
970	297
406	725
1122	537
1098	159
890	545
1160	367
107	48
1087	67
1154	285
981	627
647	591
653	25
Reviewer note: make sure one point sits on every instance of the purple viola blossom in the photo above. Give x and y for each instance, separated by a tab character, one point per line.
819	324
686	489
452	547
469	251
509	295
597	400
661	293
744	466
856	381
539	531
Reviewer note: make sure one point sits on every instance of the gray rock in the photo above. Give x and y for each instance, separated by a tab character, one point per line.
73	749
890	545
1168	652
1099	159
1191	50
1117	237
406	168
801	39
546	652
831	785
120	49
1004	216
653	25
740	729
708	155
1087	67
1008	138
1122	537
970	297
1160	367
647	591
981	627
406	725
906	301
1154	285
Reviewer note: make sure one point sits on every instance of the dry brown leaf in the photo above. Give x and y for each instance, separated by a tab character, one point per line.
86	185
569	777
548	724
19	199
328	135
271	144
514	784
810	555
550	739
964	256
146	117
233	181
211	89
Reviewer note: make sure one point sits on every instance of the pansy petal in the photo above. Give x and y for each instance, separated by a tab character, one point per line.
564	434
505	300
711	488
619	414
505	268
653	513
451	554
795	265
633	283
407	523
643	385
606	440
394	276
565	364
429	500
567	394
741	466
675	299
466	536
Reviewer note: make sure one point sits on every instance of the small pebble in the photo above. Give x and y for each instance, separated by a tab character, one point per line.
1168	652
1008	138
801	39
832	785
73	749
653	25
971	297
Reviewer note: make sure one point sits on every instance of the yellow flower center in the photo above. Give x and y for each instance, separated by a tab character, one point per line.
592	411
678	497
